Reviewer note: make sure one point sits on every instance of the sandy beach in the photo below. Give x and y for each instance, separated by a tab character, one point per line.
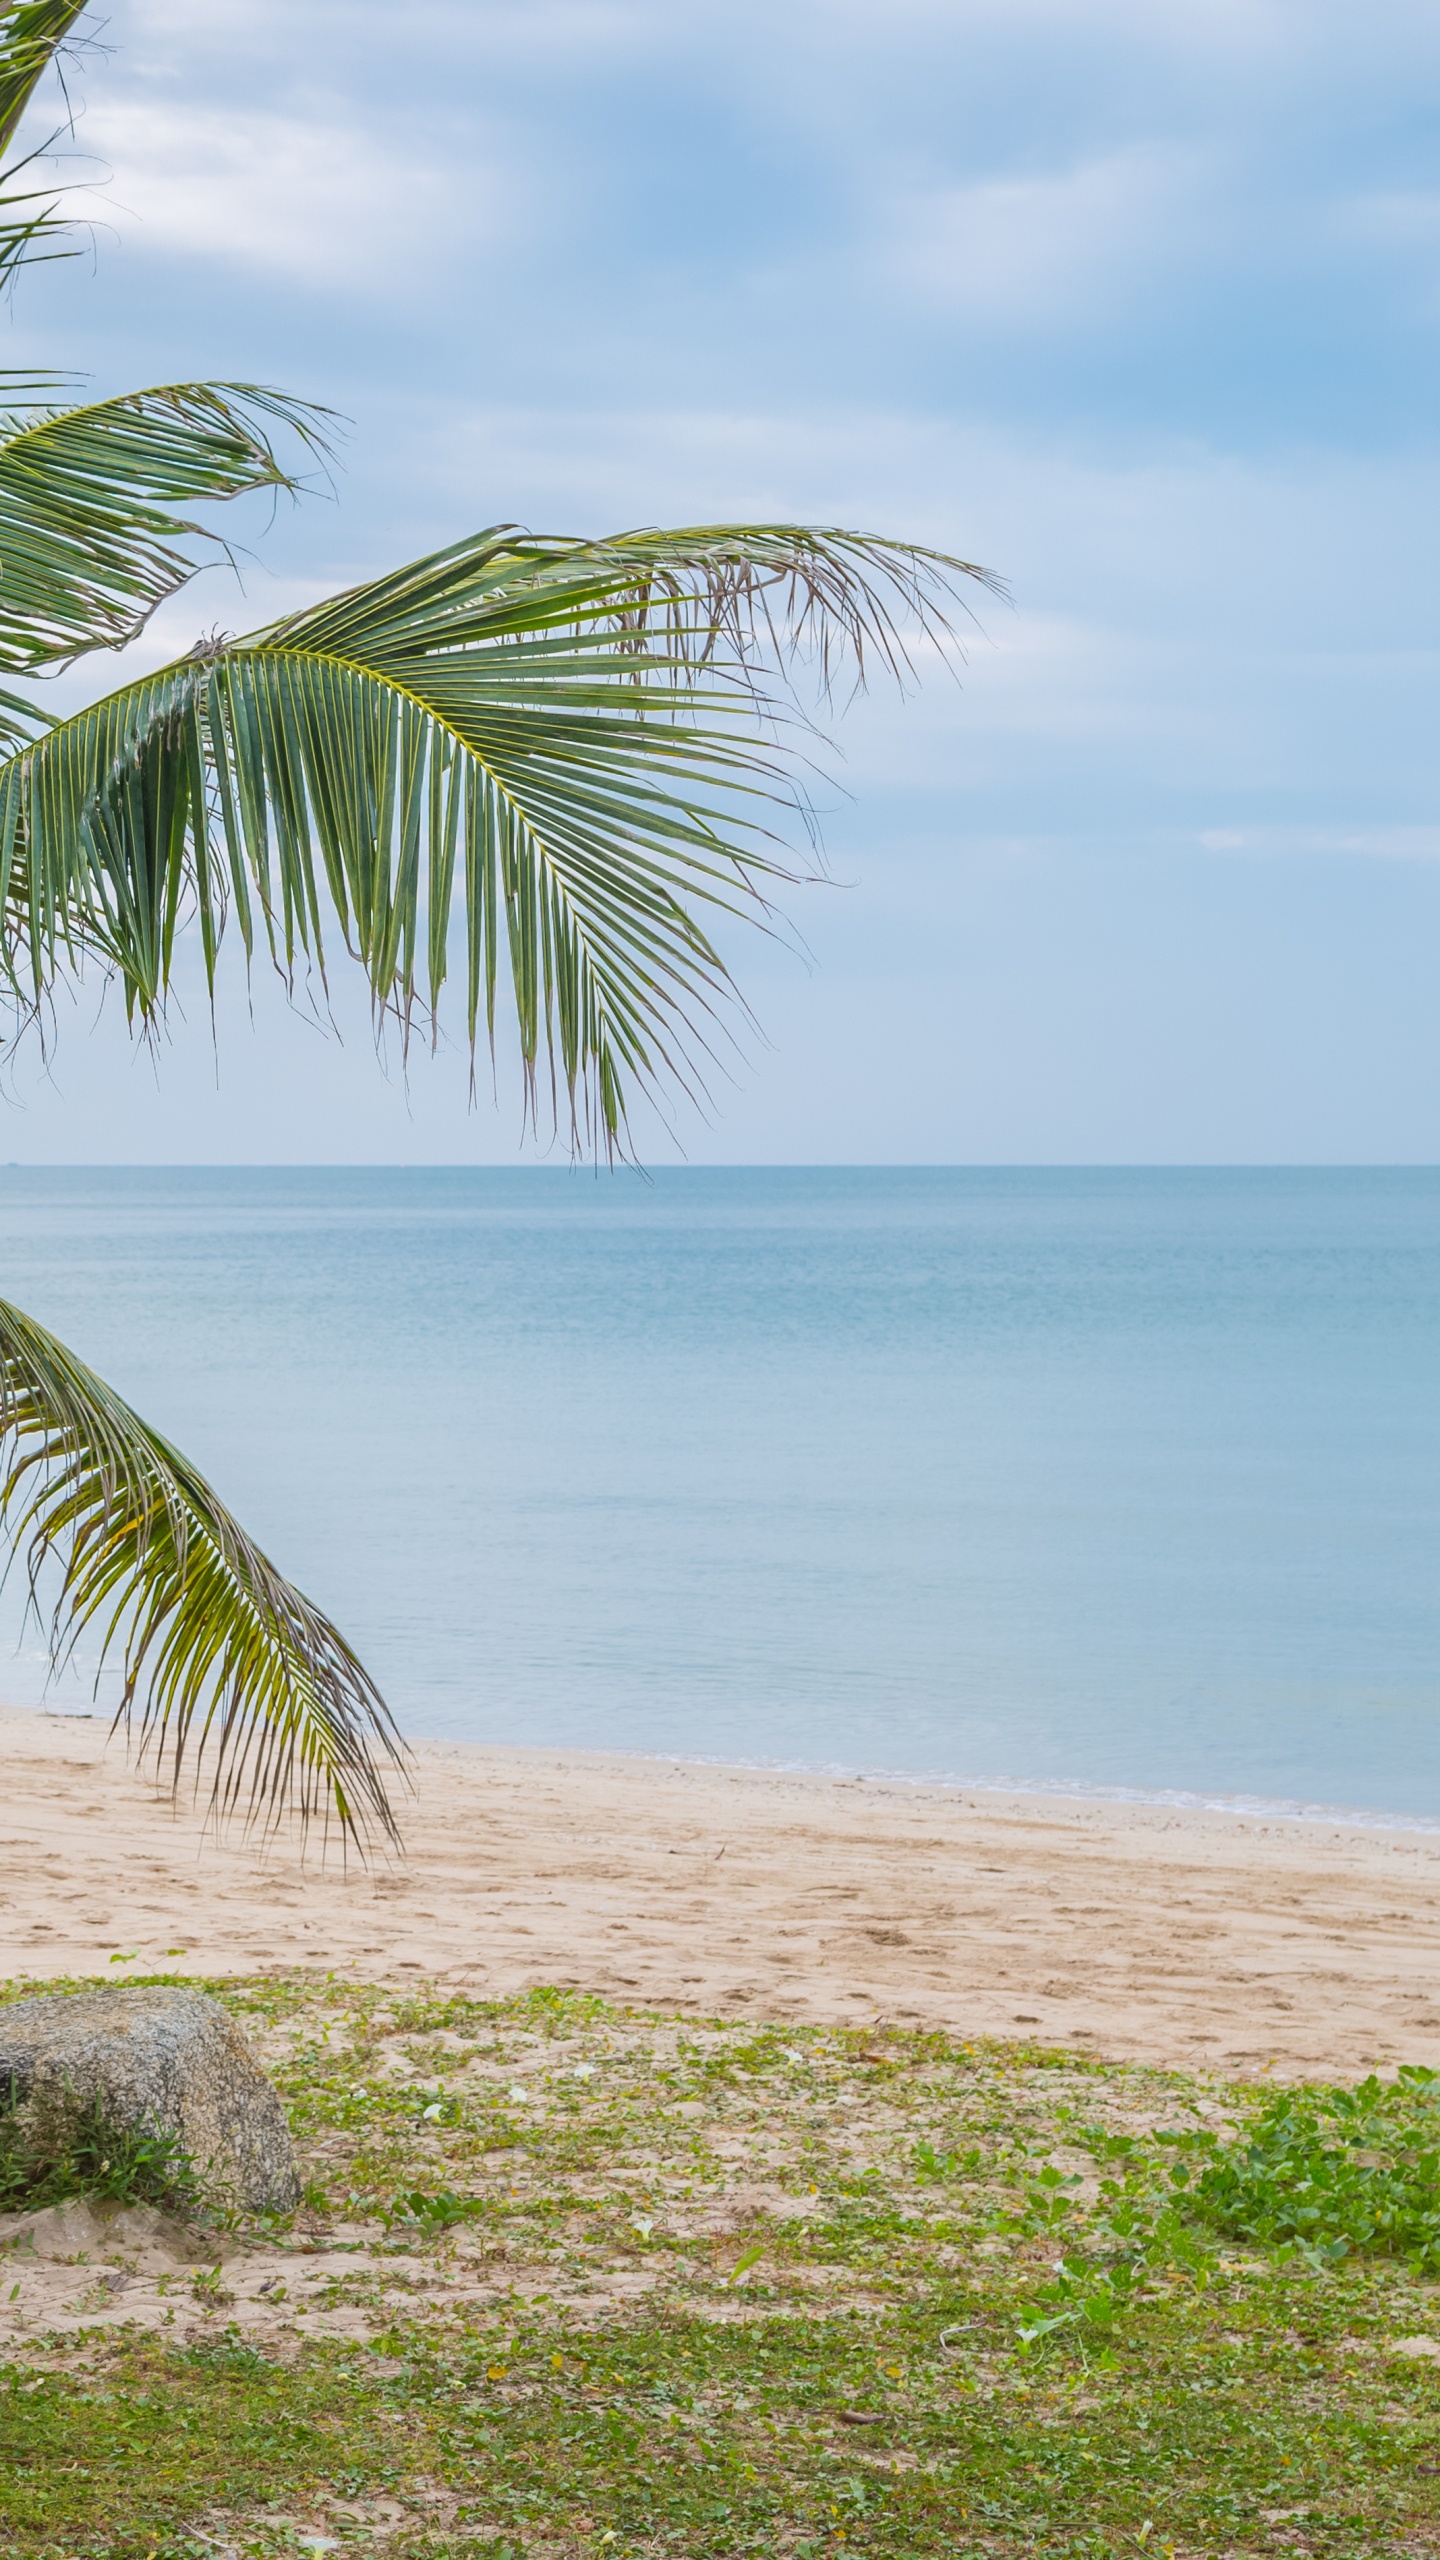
1132	1931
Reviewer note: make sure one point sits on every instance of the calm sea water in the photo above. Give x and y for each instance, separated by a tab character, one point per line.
1125	1480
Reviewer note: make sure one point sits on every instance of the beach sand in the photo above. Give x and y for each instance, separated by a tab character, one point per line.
1177	1937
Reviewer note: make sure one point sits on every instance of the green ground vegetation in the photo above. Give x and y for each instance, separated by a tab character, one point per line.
571	2280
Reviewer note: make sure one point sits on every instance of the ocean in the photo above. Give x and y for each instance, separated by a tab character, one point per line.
1119	1481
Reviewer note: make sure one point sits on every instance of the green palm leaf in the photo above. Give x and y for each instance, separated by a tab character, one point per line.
544	750
220	1654
563	759
222	1658
31	34
89	540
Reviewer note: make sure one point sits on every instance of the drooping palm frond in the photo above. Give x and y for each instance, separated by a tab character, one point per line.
222	1659
220	1655
29	219
562	756
31	34
547	750
89	540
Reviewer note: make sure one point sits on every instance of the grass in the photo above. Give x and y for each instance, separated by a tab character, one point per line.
93	2158
625	2284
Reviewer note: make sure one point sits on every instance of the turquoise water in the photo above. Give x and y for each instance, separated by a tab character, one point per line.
1116	1479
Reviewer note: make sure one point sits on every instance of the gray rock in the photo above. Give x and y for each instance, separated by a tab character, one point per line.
170	2062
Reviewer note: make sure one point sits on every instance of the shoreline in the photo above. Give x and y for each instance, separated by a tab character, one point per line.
940	1782
1240	1808
1243	1941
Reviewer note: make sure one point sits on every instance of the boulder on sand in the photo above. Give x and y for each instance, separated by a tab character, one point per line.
167	2062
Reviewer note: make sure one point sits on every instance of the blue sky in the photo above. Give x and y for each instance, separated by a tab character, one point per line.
1138	304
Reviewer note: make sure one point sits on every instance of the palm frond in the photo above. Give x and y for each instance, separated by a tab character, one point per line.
566	756
28	219
89	540
225	1665
21	720
31	34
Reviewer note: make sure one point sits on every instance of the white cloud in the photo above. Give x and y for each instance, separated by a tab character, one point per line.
1014	250
1250	30
1403	226
1409	217
1309	844
323	202
537	27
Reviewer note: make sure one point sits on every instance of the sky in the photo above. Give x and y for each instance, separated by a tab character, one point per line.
1134	301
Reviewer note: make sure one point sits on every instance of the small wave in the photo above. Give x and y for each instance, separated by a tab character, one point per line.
1074	1790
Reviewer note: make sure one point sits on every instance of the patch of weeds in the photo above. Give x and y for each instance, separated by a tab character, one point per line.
433	2212
1328	2171
1319	2173
210	2289
653	2288
79	2153
675	2435
930	2163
